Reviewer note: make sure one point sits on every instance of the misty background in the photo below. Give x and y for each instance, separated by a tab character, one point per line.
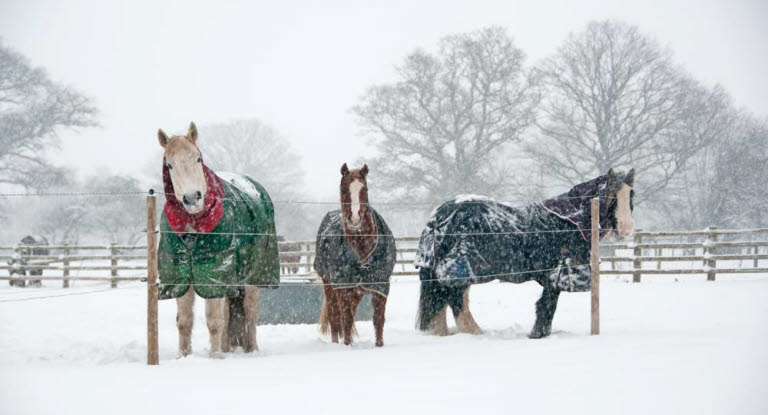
515	100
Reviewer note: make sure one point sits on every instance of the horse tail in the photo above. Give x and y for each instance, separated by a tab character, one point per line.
432	300
324	324
236	328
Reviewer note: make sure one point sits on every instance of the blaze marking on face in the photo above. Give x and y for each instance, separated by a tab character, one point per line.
354	192
623	211
186	173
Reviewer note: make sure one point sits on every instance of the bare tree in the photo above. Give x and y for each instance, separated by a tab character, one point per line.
441	127
32	110
117	216
614	98
261	152
114	216
725	184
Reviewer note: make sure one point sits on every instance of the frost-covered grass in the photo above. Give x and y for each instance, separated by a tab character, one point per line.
667	347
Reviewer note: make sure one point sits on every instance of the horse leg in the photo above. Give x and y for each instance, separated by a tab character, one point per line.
545	312
332	315
185	318
439	325
464	320
251	306
379	303
226	347
215	318
349	306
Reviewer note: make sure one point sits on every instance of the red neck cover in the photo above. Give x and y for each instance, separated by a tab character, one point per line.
205	221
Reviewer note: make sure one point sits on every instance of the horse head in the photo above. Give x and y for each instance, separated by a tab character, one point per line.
354	196
183	166
619	194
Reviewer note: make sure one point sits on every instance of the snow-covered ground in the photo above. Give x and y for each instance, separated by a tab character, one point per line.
667	347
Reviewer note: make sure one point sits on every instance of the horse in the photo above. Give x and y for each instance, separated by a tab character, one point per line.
355	253
217	240
474	239
287	250
32	245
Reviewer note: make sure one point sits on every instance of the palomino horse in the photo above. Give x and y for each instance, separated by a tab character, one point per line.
475	240
355	254
217	240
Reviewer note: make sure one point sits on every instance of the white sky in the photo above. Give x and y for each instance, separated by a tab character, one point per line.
301	65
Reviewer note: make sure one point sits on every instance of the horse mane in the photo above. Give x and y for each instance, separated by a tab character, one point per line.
574	205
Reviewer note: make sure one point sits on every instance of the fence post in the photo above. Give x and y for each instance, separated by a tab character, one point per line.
709	250
756	253
20	265
594	260
659	252
309	257
113	264
152	340
637	264
65	265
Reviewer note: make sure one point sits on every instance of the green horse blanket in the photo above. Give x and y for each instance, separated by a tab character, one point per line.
240	249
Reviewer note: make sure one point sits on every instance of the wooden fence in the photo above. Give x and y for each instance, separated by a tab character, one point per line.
708	252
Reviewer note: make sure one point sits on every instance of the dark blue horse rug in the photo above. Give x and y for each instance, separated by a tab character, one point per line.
475	239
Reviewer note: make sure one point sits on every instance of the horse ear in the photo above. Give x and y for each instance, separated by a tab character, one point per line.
344	169
192	133
162	137
611	179
364	170
629	179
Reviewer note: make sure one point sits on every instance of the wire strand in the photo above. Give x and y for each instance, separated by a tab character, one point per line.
471	280
308	202
41	297
374	234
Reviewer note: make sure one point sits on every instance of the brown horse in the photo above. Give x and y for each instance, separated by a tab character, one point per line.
355	254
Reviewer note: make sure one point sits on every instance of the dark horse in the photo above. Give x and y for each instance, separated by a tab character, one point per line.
355	254
32	245
476	240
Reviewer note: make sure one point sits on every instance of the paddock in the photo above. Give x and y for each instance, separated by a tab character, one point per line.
688	305
707	339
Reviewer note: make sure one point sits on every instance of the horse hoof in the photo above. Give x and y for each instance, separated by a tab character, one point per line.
537	334
250	349
184	353
379	343
217	355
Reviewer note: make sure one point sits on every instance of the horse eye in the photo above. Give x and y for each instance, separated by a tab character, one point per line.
199	160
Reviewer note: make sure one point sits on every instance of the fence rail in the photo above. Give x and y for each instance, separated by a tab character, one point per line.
711	252
715	251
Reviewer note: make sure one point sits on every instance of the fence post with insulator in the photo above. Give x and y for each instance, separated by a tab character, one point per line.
152	340
594	262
